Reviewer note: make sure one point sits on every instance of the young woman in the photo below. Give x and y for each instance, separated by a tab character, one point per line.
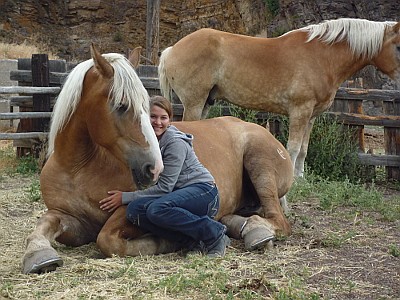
183	203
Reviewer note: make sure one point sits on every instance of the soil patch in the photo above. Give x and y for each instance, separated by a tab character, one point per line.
339	254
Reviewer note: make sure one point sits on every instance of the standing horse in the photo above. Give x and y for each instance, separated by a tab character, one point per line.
296	74
101	139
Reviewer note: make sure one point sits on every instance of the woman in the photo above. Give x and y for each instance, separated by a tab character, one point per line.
183	203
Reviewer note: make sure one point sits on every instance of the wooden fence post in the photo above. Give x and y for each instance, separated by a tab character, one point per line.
40	77
392	137
355	106
152	30
39	65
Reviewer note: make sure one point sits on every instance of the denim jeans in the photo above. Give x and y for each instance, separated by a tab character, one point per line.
184	216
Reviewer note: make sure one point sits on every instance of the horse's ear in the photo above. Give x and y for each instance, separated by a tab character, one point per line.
396	28
134	57
100	63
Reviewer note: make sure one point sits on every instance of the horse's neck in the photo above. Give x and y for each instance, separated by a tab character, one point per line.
73	144
342	63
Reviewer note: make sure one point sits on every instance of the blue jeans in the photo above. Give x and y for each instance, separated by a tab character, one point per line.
184	216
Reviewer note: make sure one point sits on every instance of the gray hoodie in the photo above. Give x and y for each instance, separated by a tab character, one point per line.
181	167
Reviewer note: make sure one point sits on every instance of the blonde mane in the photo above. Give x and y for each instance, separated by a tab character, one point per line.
365	38
126	90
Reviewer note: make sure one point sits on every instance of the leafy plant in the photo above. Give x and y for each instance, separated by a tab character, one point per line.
273	7
245	114
34	191
27	165
332	151
394	250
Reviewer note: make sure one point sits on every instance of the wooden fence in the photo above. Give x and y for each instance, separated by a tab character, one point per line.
39	81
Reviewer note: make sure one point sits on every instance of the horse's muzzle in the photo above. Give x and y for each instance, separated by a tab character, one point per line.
145	177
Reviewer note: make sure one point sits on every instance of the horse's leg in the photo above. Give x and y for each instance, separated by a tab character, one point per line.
269	178
298	122
262	170
39	255
192	112
119	237
194	101
299	167
284	205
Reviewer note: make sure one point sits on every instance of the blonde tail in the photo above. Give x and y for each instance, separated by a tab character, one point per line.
165	86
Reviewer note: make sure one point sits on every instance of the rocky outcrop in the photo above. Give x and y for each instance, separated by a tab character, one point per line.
67	27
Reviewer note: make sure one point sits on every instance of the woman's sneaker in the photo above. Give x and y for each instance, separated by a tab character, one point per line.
219	248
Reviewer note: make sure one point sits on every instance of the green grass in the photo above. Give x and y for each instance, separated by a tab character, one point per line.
10	164
34	191
334	194
394	250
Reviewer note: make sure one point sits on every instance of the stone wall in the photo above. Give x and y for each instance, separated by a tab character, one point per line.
68	27
6	65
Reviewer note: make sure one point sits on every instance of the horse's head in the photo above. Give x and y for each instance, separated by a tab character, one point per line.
388	60
116	107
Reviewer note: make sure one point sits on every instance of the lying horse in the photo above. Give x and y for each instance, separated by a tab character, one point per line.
100	139
296	74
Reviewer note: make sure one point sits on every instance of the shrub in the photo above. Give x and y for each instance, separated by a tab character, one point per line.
332	151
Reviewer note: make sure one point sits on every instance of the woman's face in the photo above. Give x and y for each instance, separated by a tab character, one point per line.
159	120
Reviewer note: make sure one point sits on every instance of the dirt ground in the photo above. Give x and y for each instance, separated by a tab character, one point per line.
339	254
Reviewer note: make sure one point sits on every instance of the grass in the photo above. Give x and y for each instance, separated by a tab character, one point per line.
24	50
335	194
337	227
11	165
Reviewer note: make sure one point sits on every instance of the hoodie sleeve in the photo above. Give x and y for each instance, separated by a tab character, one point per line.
174	156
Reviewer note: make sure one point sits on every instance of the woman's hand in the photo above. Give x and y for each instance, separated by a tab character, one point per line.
112	202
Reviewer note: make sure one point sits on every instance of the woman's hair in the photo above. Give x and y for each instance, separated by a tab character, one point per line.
163	103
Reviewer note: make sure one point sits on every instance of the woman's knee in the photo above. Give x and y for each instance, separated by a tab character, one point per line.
155	211
132	211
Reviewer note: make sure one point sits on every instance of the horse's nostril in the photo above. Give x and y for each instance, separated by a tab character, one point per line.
146	171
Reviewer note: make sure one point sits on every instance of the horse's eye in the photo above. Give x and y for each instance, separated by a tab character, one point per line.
122	108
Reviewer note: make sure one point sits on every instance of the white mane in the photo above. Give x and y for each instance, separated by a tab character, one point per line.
364	37
126	89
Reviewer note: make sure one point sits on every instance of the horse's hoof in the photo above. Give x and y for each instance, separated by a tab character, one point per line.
235	225
257	238
41	261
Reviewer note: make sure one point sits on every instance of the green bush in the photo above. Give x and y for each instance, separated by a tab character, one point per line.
272	6
333	151
27	165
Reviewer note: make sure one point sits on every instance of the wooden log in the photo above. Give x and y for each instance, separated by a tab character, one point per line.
379	160
55	78
147	71
355	106
360	119
29	90
366	94
40	78
392	138
152	30
24	115
24	76
23	135
27	101
55	65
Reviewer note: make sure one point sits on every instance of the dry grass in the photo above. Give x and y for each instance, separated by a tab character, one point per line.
24	50
340	254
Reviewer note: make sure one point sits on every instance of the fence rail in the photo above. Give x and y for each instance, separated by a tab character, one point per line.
347	107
